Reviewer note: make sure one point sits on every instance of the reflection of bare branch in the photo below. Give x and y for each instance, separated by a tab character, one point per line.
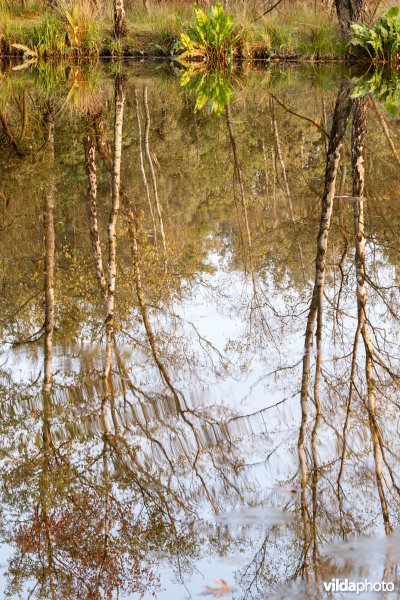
238	180
292	112
348	411
24	114
10	137
103	146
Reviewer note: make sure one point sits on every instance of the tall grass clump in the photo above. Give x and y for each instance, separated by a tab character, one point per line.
10	33
48	36
322	42
69	28
294	33
381	43
212	39
161	21
81	25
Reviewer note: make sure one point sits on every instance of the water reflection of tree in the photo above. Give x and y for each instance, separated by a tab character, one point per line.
83	535
315	518
148	441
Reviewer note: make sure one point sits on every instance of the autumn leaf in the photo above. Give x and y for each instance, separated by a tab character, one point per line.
223	589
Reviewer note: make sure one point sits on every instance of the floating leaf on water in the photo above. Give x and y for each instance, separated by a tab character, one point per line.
222	590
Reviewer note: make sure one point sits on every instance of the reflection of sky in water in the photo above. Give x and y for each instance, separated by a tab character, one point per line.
245	381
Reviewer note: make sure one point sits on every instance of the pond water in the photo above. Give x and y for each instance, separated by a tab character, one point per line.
199	368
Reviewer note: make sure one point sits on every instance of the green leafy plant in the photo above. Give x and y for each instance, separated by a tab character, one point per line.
382	42
383	85
212	39
212	86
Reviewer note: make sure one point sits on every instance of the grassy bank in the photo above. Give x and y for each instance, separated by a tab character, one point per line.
296	33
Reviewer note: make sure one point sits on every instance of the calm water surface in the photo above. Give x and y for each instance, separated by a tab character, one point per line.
199	369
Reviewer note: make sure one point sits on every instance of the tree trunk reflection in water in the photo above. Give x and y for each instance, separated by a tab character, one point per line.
153	173
119	101
142	169
49	258
339	125
340	118
357	156
90	163
341	114
278	154
109	298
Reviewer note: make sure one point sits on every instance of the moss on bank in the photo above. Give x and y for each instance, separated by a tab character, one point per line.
301	35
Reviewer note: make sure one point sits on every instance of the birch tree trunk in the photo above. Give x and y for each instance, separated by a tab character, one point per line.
120	28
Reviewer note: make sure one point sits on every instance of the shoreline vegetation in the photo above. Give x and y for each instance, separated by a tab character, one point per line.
83	30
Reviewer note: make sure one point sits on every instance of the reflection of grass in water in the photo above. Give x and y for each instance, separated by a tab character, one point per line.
76	90
215	87
383	85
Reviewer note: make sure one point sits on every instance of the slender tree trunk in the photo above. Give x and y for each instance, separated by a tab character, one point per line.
120	28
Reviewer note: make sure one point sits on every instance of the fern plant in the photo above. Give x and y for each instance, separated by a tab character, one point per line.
212	39
382	42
